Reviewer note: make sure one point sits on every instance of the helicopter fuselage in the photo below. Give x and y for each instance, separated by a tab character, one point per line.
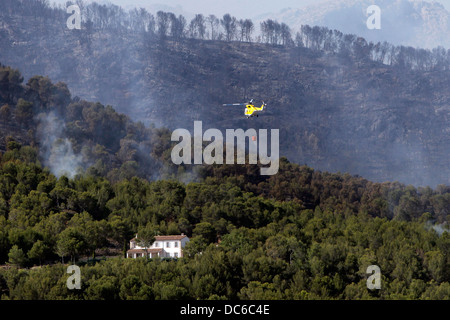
251	110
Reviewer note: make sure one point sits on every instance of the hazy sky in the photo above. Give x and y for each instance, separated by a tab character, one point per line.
238	8
234	7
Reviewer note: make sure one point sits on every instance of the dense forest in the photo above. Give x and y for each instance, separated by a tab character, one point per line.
302	234
73	134
341	103
299	234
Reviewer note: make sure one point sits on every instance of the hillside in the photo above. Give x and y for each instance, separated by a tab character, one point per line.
86	118
415	23
341	104
74	136
300	234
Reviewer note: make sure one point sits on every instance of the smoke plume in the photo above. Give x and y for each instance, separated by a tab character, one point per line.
56	149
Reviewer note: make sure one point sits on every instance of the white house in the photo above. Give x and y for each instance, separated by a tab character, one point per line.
164	246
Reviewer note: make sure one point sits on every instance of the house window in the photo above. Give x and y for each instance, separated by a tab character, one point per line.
175	254
167	244
176	244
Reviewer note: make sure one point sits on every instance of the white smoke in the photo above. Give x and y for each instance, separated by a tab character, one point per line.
55	148
439	228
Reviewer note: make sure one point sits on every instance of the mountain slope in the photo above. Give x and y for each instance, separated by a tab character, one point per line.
403	22
337	109
73	135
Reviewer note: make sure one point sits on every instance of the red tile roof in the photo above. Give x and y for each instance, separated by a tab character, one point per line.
143	250
175	237
163	238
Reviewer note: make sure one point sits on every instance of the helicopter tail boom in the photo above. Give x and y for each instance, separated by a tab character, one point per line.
234	104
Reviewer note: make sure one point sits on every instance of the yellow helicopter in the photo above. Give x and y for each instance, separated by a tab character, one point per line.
250	109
